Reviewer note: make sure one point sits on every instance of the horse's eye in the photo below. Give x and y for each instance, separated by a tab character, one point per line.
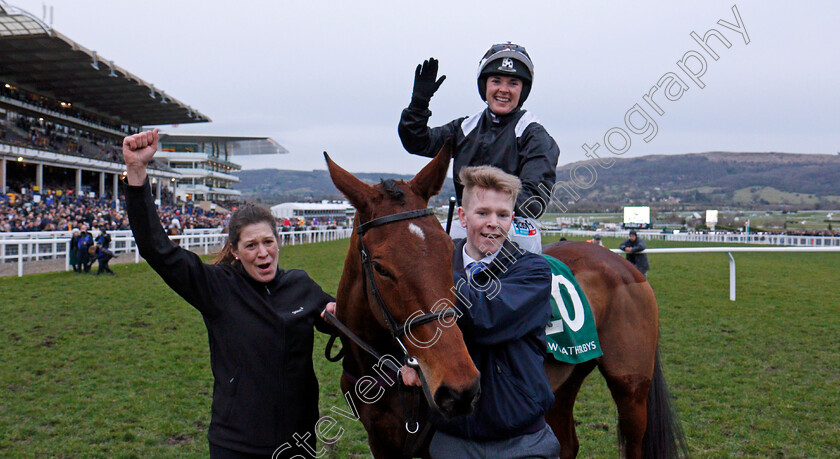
381	271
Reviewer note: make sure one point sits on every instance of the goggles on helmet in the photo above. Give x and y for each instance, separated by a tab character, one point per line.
507	50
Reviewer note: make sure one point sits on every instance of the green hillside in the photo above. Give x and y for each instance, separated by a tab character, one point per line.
273	186
698	180
667	182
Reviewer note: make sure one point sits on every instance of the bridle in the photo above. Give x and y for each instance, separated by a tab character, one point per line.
396	328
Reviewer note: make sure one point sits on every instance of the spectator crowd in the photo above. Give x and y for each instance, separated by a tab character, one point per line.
37	133
65	212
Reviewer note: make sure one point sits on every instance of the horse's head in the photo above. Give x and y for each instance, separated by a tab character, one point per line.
411	267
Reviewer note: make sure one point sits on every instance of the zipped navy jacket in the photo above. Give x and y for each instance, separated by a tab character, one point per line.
637	255
261	336
505	312
516	143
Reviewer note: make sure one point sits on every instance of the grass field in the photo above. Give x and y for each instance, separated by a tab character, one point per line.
119	367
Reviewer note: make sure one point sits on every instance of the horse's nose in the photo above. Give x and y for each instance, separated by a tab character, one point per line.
453	402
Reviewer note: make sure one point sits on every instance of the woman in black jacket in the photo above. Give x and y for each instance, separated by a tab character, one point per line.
259	320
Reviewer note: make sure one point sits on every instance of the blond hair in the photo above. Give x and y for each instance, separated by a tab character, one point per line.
488	178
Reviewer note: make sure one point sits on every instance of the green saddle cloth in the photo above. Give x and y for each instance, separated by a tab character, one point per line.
571	336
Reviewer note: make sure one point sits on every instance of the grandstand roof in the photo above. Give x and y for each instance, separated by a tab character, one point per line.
343	205
237	145
39	59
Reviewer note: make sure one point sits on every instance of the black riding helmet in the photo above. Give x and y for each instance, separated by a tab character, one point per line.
507	59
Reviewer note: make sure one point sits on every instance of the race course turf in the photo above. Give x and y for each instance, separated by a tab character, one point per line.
119	366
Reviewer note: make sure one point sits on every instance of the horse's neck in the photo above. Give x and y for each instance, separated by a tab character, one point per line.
359	362
361	321
355	312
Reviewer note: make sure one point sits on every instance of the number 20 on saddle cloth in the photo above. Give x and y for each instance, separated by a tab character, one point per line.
571	335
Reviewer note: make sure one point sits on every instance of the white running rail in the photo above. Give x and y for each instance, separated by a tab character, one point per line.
729	251
47	245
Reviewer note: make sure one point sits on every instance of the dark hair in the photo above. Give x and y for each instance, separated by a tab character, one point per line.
394	192
249	214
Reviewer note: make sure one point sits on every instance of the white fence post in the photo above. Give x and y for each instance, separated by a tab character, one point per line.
730	250
731	276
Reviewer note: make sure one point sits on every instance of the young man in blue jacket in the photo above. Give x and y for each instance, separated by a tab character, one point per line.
504	300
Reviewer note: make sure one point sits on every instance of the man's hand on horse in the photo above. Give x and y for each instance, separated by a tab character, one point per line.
330	307
410	376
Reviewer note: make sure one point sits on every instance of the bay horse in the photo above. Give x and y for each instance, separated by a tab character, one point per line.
627	320
399	265
413	270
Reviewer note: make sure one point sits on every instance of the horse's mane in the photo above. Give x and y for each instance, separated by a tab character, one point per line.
393	191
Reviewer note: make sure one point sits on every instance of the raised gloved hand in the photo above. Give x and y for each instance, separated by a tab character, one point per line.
425	83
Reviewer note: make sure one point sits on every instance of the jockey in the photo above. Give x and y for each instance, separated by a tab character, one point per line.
501	135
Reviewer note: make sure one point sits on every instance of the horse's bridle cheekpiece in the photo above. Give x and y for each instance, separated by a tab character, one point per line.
397	329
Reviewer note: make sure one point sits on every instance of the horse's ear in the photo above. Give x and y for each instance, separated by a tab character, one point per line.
428	181
359	193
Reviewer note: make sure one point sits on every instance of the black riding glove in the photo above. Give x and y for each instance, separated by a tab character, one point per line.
425	84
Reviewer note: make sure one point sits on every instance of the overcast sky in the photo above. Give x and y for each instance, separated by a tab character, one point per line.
334	76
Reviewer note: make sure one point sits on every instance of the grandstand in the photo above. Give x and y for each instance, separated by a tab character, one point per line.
204	163
64	111
340	212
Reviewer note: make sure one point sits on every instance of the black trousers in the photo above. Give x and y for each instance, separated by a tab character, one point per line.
103	265
220	452
84	260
